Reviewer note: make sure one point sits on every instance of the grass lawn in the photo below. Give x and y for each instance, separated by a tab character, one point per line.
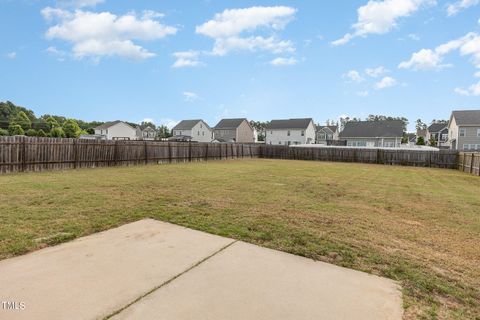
418	226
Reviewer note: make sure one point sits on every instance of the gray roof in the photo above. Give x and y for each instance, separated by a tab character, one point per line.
289	124
372	129
436	127
186	124
109	124
230	123
466	117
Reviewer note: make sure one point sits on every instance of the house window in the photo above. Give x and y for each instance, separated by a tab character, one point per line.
203	133
198	133
279	142
288	133
179	133
271	132
463	132
303	133
201	126
478	132
106	131
445	136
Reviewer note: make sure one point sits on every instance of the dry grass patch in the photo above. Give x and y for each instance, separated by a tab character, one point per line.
418	226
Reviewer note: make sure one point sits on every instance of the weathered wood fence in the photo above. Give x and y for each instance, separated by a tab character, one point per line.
469	162
21	154
406	157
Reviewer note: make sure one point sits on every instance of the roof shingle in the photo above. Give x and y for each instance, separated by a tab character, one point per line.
466	117
373	129
289	124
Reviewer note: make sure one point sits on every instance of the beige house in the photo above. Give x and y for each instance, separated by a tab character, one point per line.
374	134
234	130
464	130
326	134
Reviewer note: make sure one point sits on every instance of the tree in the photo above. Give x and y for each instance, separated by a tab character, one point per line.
3	132
52	123
71	129
145	124
420	125
15	130
22	120
57	132
420	141
432	142
163	132
31	133
41	133
90	131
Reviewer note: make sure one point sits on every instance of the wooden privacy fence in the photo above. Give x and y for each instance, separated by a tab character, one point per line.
406	157
19	154
469	162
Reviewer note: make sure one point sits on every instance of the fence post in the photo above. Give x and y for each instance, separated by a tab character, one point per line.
75	151
169	153
464	161
471	162
146	152
24	149
206	152
115	153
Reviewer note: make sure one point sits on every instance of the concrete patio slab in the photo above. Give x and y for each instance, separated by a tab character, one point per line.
153	270
91	277
245	281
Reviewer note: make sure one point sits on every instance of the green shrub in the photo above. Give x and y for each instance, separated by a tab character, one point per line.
31	133
57	133
3	132
15	130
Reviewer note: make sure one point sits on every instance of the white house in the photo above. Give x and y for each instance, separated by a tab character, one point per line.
380	134
193	130
117	130
464	130
290	131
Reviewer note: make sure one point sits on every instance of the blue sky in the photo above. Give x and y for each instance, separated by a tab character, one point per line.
174	60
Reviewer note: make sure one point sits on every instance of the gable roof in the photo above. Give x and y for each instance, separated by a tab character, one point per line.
148	128
466	117
331	128
373	129
187	124
230	123
436	127
109	124
289	124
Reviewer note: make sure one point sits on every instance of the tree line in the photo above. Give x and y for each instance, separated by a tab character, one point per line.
18	120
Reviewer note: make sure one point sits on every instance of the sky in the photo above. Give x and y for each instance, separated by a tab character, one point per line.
171	60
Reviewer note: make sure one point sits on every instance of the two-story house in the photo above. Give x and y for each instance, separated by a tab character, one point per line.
147	133
437	134
116	130
234	130
381	134
464	130
326	134
290	132
193	130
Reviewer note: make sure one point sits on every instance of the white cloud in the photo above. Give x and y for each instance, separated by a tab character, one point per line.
364	93
354	76
473	90
228	29
380	17
456	7
386	82
376	72
79	3
59	54
102	34
11	55
148	120
414	36
186	59
428	59
189	96
284	61
477	74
